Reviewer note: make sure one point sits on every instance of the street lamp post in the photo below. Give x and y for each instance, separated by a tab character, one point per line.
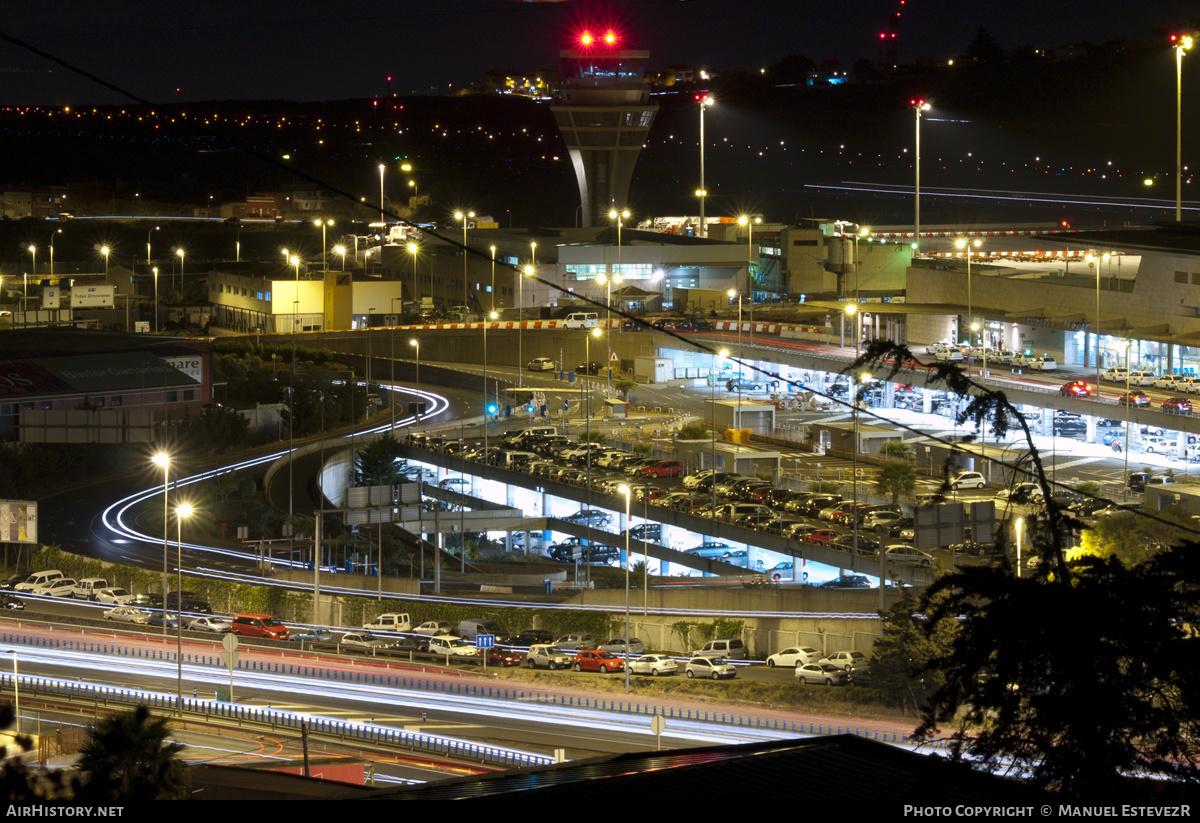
486	413
148	235
392	357
104	251
181	511
33	259
918	107
180	253
983	344
705	101
412	249
963	243
712	427
156	299
625	490
324	252
1183	45
381	168
16	693
745	220
341	252
492	308
527	272
852	311
164	460
416	345
741	354
50	243
458	215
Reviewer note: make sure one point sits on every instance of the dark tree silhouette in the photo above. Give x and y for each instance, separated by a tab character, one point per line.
129	758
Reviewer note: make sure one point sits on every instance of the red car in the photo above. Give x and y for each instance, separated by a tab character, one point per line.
1077	388
595	660
1176	405
663	468
500	656
822	536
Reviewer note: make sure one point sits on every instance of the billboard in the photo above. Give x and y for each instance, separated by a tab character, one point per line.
92	297
18	521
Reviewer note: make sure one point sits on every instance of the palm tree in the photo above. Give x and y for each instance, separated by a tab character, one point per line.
129	757
896	477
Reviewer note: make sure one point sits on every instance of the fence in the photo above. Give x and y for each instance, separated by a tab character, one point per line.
367	732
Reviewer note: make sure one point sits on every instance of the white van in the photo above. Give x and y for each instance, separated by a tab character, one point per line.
38	579
581	320
87	588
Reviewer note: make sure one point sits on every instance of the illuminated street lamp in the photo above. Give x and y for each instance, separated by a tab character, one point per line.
50	243
705	101
458	215
413	248
341	252
33	259
156	299
746	221
1182	45
492	309
526	272
104	251
164	460
324	253
381	168
180	253
983	341
962	243
918	107
148	234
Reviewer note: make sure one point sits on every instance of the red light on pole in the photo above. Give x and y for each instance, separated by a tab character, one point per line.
585	39
610	37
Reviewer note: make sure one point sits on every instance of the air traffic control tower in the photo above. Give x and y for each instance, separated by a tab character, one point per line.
604	115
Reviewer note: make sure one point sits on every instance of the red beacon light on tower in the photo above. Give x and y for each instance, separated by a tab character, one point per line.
585	39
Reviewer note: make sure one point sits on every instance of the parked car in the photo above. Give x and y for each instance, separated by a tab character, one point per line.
655	665
848	581
618	646
540	364
576	641
259	625
59	587
188	602
390	622
793	657
451	646
364	642
310	634
126	614
115	596
88	588
502	656
589	517
663	468
594	660
530	637
732	648
713	668
844	659
217	625
547	656
433	628
904	555
968	480
825	673
10	602
37	579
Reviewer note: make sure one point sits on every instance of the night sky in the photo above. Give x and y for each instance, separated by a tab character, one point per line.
307	50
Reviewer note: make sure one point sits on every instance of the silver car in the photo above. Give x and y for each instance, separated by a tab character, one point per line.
126	614
825	673
655	665
216	625
364	642
715	668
